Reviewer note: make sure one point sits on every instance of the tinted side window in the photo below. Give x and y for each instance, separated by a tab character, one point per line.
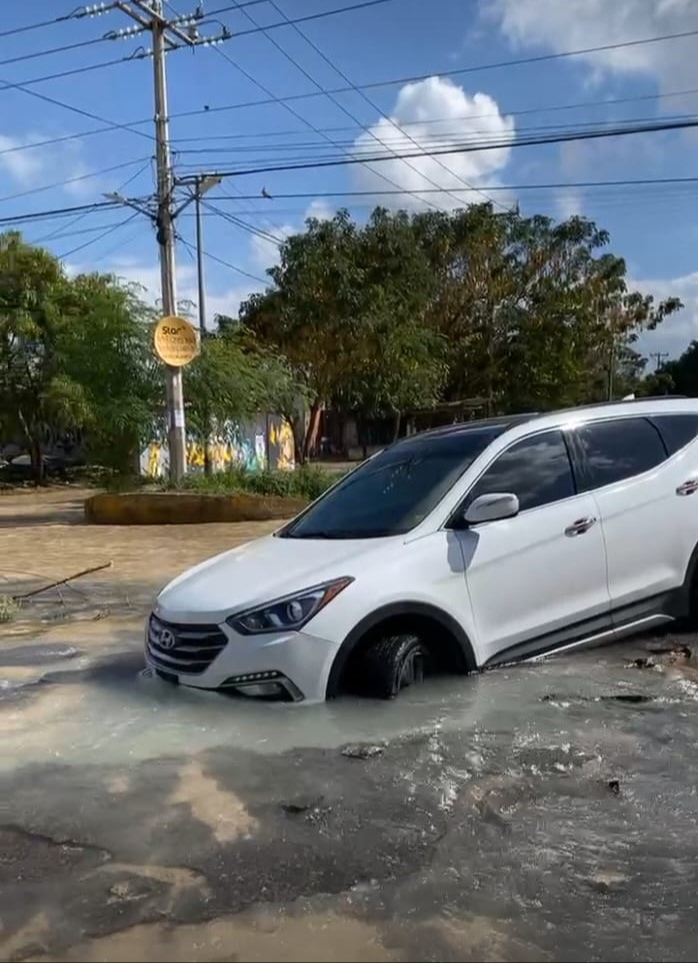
615	450
676	430
536	469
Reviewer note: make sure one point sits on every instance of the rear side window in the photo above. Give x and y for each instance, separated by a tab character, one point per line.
616	450
535	469
676	430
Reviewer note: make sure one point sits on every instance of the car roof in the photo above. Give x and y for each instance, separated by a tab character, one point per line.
636	406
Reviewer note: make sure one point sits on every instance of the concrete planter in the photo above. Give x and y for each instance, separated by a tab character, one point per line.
187	508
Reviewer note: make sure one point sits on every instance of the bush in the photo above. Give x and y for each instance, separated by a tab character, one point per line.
305	482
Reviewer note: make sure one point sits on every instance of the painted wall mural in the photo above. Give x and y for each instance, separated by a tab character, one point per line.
254	445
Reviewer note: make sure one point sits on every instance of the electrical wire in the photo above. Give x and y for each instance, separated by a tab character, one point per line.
94	240
416	78
374	106
220	260
292	110
312	195
470	148
80	217
72	180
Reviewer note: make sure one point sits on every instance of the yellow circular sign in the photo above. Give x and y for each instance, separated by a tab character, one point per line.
176	342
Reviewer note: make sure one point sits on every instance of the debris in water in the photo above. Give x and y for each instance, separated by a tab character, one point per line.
362	751
614	786
643	663
302	805
673	653
631	698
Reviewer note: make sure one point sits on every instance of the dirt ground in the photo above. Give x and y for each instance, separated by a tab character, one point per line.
537	812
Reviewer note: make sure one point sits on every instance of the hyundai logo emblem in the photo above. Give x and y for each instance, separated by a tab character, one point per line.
167	640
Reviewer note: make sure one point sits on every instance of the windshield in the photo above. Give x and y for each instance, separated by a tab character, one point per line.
396	490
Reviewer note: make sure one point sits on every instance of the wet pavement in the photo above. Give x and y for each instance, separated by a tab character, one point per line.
544	811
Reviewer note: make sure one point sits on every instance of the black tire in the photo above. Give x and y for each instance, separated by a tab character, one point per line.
392	663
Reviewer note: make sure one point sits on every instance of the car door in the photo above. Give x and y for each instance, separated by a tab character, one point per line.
536	581
640	482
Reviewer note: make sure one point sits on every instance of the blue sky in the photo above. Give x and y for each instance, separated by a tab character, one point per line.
654	228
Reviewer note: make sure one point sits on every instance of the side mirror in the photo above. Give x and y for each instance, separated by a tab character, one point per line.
492	508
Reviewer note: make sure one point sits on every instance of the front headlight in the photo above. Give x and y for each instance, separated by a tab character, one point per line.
290	612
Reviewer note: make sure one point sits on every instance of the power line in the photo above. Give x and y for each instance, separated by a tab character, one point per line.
243	225
25	28
60	103
471	148
122	187
295	113
58	212
220	260
72	180
119	60
416	78
445	139
288	107
312	195
371	103
94	240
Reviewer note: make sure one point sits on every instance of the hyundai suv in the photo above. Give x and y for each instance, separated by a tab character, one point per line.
453	550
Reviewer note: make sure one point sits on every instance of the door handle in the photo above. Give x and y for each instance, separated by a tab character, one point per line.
688	487
579	527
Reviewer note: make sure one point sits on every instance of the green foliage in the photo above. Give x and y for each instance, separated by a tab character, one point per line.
305	482
517	312
74	354
9	608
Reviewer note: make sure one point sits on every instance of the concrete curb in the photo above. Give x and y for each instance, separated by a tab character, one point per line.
187	508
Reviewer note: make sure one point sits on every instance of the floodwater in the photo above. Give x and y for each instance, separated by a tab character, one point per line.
65	705
540	811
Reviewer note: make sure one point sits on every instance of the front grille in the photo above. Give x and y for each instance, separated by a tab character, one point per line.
195	646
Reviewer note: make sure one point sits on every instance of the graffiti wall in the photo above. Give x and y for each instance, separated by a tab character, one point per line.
266	441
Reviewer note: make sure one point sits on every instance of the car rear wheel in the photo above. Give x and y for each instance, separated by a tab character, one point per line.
394	663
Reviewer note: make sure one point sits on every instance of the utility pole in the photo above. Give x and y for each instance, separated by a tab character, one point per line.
200	259
659	357
167	34
166	243
201	184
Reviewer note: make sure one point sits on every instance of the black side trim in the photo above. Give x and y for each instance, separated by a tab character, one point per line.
397	609
666	603
552	640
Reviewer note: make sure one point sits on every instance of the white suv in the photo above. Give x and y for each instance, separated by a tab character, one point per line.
452	550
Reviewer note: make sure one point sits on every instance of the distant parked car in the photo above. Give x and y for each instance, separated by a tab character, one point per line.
453	550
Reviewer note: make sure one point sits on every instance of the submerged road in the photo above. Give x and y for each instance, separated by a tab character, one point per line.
544	811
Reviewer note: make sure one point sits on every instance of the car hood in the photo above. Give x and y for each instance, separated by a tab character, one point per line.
259	572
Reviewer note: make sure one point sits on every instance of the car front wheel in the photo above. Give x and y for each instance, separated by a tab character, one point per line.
393	663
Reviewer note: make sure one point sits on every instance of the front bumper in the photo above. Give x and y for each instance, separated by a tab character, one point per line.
208	656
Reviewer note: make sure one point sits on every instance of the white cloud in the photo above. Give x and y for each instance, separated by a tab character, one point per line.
35	166
435	114
576	24
23	166
675	334
320	209
147	276
264	248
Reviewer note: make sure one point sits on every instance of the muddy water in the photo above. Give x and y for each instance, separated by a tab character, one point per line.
107	709
542	811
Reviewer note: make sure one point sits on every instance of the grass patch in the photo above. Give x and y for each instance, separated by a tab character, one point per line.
9	607
306	482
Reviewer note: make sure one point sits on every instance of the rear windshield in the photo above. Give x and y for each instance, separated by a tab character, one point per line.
394	491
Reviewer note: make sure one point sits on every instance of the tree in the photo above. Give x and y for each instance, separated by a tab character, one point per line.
73	355
346	313
105	347
678	376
